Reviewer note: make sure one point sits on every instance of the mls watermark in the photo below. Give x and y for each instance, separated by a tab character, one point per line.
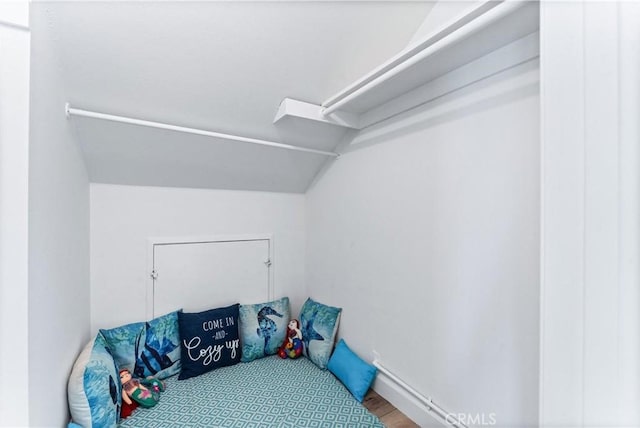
477	419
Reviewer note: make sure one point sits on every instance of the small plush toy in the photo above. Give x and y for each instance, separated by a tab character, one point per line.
127	409
292	345
145	392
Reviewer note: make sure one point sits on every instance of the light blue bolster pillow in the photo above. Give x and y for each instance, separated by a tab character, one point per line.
355	373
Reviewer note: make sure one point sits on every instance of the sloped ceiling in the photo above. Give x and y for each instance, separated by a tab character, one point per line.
220	66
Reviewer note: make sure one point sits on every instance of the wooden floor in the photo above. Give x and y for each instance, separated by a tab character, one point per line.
389	415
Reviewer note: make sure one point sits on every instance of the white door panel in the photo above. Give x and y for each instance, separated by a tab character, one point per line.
205	275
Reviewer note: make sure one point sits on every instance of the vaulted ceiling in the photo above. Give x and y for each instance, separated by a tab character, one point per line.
220	66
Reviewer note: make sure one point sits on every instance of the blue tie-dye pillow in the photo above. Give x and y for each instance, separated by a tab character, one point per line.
263	328
93	390
319	324
147	348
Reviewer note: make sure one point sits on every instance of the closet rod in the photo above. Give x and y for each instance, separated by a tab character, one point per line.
403	62
70	111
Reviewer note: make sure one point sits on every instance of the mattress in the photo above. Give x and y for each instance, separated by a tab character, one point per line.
269	392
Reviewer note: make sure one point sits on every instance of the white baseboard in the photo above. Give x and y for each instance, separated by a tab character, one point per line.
405	402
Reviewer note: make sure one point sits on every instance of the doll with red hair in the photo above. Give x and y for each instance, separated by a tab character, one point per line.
138	392
292	345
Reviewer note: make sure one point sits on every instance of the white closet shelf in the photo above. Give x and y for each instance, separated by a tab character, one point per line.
484	28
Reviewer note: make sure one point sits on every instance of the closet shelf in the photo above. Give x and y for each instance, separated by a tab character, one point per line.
481	30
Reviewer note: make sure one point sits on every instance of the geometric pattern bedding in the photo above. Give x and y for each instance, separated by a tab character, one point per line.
268	392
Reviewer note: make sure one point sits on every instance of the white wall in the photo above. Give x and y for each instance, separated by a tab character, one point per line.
124	217
441	14
14	228
590	301
427	234
58	236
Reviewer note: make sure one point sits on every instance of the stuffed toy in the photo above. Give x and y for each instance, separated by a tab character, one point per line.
292	345
145	392
127	409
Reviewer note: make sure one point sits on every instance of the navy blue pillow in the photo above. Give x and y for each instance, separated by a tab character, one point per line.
208	340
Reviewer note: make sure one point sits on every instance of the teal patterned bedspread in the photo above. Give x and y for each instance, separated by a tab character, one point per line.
269	392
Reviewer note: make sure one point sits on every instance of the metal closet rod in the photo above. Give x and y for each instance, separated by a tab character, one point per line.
70	111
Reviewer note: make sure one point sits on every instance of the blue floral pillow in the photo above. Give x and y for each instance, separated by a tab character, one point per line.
93	389
319	324
147	348
125	343
160	357
263	328
208	340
